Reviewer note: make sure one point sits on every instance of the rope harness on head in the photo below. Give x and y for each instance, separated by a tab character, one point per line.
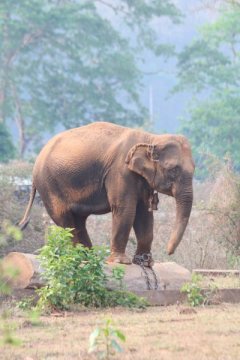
145	261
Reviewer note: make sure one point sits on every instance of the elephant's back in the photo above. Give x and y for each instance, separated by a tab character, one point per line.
78	147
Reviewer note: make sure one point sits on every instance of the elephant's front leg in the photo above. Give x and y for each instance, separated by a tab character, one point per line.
122	222
143	227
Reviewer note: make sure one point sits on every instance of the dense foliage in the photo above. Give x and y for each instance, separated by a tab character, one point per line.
67	63
75	275
210	68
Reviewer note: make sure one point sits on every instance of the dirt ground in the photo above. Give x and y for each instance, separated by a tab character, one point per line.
158	333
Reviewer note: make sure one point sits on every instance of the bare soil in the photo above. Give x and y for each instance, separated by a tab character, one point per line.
158	333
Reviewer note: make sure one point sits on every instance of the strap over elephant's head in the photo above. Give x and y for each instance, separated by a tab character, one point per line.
142	159
150	150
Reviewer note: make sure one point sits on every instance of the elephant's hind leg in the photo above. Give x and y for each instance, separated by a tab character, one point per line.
78	224
80	233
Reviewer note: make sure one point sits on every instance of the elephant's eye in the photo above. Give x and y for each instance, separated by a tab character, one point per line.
174	172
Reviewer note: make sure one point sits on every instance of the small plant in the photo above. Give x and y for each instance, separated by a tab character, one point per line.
118	273
104	340
210	295
194	291
33	317
26	303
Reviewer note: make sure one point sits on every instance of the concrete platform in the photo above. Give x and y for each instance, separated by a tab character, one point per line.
171	297
171	277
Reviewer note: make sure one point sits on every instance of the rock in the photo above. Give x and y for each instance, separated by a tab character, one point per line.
170	276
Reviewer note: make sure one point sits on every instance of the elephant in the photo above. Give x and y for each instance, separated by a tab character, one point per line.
103	167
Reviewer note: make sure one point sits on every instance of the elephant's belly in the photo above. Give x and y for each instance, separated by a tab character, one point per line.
96	204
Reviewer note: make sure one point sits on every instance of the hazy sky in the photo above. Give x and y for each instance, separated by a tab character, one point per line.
167	111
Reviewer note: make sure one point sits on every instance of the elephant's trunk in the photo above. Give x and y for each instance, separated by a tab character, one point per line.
183	211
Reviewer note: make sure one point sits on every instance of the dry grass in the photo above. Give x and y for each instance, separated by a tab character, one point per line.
212	333
221	282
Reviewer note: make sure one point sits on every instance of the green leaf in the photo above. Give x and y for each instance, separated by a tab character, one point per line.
93	338
116	346
120	335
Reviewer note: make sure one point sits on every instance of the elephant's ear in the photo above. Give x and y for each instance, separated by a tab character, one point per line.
168	155
140	160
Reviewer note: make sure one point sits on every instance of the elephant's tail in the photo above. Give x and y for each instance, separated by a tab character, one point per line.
25	220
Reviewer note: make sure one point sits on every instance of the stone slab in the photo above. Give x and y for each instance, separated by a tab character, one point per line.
216	272
171	297
162	297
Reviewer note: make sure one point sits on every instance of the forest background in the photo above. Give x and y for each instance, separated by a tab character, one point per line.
165	66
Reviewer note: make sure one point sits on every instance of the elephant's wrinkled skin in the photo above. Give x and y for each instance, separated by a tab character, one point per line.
101	168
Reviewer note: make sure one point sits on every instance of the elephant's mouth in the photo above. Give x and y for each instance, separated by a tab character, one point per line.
167	191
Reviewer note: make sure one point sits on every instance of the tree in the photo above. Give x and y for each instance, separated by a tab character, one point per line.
7	150
66	63
210	67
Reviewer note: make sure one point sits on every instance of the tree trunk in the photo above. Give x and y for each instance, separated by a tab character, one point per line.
19	119
27	267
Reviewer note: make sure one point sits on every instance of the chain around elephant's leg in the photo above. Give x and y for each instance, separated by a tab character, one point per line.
143	227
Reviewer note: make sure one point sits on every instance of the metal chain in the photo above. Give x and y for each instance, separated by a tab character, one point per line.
144	261
155	279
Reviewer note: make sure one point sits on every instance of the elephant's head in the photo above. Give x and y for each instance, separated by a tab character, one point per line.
168	167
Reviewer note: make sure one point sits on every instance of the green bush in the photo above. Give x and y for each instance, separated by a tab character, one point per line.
75	275
194	291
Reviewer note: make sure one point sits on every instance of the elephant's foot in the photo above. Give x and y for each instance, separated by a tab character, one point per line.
143	259
118	258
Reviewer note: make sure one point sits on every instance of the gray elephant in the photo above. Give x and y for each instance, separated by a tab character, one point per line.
103	167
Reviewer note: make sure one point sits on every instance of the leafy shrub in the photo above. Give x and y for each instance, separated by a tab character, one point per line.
75	274
194	291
